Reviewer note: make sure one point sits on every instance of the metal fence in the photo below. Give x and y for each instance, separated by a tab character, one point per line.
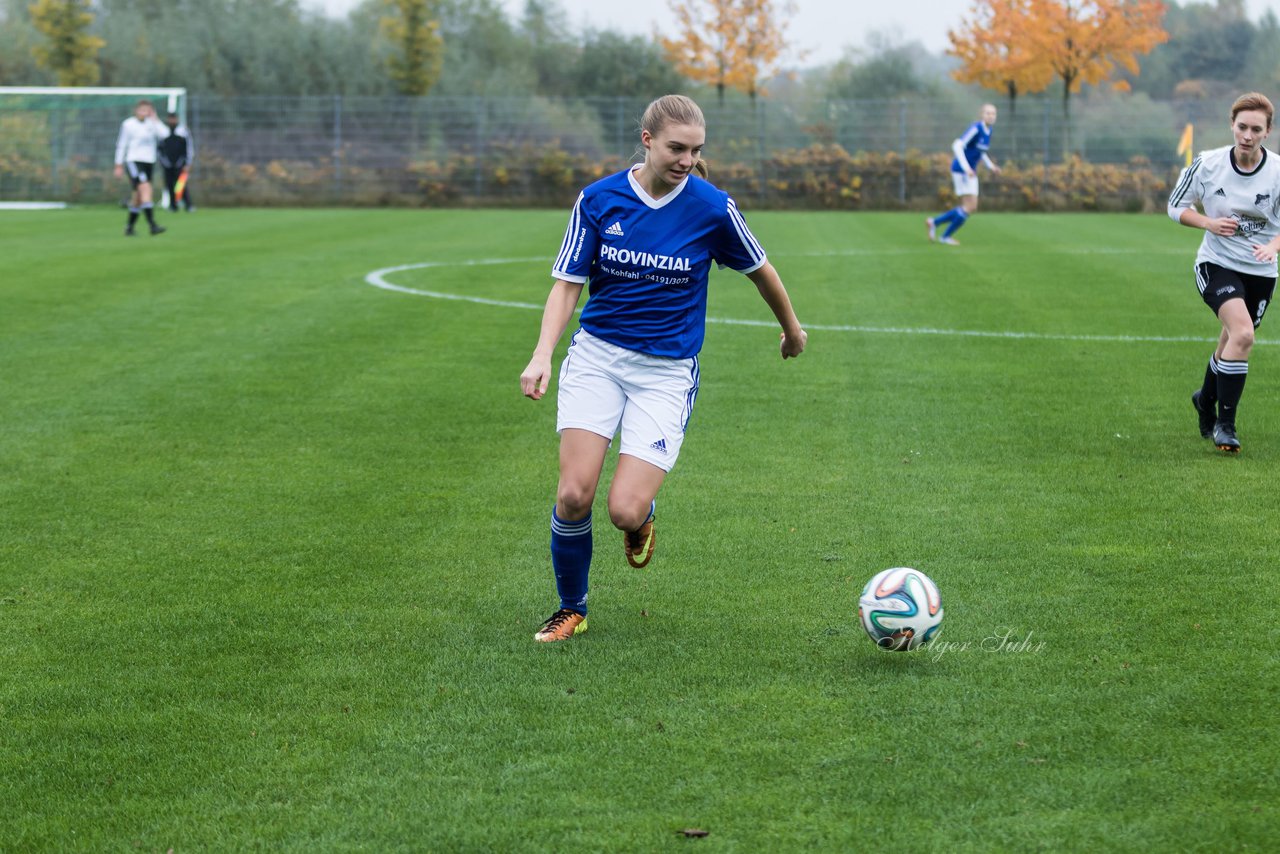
540	152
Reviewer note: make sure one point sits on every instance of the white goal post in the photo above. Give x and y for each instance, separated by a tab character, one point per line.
57	142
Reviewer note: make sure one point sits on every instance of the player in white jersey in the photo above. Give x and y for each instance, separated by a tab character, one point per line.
645	238
136	154
1238	188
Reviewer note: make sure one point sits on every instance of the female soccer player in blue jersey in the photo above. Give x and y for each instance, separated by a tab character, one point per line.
1238	187
645	238
970	149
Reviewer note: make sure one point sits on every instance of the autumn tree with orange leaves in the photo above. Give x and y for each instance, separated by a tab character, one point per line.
728	44
995	53
1033	42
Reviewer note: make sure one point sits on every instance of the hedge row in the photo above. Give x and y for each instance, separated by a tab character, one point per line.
824	177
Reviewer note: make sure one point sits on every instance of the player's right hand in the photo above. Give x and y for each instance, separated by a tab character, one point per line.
1222	226
536	378
793	346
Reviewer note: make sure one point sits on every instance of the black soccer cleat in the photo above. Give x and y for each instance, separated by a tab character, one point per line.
1207	419
129	232
1224	436
158	229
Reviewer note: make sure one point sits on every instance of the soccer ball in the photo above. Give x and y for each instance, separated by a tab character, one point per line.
900	609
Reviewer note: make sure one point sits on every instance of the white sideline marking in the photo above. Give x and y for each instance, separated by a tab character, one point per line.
378	278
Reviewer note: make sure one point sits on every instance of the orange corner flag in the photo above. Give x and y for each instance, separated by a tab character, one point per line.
1185	144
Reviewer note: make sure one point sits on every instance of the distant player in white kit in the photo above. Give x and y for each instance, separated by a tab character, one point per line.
645	238
136	154
1238	187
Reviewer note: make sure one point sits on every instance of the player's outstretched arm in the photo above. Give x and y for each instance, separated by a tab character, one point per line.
561	302
769	283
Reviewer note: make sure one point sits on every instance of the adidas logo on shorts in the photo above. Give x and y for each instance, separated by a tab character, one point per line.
660	446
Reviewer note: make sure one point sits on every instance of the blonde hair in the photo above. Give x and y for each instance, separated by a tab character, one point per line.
1253	101
673	110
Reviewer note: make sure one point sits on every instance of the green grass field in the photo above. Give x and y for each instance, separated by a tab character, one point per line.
273	545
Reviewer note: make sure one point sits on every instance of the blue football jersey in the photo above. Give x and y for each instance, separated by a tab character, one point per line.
976	141
647	260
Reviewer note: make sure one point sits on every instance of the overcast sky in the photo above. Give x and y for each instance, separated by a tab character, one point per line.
822	28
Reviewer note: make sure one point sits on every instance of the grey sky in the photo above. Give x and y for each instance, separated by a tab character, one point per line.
824	29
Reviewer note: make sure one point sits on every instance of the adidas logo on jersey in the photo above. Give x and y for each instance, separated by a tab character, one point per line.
1220	192
615	229
660	446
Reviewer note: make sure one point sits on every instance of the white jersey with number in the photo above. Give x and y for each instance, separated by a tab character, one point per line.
138	139
1252	199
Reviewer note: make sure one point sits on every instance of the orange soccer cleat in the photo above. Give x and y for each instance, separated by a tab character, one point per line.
639	545
561	625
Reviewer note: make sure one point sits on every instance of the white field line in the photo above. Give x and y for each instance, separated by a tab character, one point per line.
378	278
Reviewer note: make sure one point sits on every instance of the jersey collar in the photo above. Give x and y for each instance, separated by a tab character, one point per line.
649	200
1262	161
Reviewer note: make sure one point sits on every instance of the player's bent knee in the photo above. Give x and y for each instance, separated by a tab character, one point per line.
573	501
629	517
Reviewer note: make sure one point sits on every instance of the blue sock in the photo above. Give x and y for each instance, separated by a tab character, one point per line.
960	219
571	558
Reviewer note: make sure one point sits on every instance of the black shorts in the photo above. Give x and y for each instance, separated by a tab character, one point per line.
139	173
1217	284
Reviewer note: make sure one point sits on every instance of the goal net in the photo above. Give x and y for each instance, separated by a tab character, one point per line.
57	144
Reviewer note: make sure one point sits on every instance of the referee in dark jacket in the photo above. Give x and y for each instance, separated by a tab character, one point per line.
176	154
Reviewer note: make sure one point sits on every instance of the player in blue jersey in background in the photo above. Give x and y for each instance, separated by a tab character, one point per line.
645	239
970	150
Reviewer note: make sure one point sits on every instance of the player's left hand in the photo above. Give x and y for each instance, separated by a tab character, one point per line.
793	346
1265	253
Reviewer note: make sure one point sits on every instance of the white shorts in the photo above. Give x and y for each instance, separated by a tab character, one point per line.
604	387
965	185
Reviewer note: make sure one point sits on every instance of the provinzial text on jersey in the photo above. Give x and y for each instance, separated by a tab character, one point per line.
647	259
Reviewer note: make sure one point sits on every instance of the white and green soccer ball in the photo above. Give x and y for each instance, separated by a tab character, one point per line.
901	609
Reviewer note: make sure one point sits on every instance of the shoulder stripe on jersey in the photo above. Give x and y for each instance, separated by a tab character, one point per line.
570	236
969	134
748	239
1184	184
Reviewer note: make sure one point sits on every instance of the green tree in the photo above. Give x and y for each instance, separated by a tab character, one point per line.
882	69
484	53
17	38
414	29
1211	46
69	51
885	75
550	46
1263	66
613	65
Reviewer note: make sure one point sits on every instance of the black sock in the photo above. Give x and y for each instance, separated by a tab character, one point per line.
133	216
1209	390
1231	377
150	215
